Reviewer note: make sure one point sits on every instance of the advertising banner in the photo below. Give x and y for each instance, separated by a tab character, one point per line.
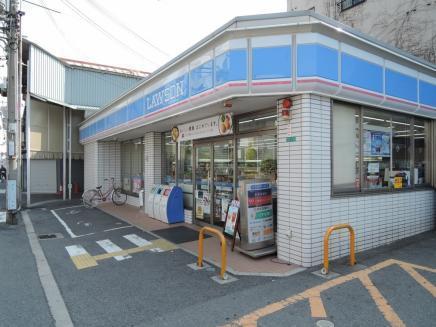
259	212
208	127
232	218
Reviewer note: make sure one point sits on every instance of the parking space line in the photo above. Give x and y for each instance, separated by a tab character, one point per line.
110	247
313	294
76	206
420	279
317	307
381	302
63	223
116	228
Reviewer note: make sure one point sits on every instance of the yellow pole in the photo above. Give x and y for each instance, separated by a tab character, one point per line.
223	248
326	245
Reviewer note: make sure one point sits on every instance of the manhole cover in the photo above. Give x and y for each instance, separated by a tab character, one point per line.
324	323
49	236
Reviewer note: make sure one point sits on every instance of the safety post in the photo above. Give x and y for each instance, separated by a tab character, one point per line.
329	231
223	249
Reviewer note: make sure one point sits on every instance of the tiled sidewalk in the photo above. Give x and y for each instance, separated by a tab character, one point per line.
237	263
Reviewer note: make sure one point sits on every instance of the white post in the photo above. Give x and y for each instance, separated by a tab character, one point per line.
69	154
28	132
64	155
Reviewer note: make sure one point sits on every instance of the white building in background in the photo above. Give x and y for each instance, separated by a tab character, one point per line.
409	25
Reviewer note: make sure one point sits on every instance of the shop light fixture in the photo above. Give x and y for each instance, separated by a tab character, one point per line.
266	117
372	118
245	121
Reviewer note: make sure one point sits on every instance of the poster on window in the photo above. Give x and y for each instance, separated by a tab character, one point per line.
377	143
259	212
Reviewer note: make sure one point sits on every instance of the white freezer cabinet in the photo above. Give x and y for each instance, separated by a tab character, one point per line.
165	203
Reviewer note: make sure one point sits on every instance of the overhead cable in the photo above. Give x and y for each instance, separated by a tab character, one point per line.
105	32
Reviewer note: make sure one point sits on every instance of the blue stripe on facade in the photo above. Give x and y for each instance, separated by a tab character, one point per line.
361	73
168	94
317	60
401	86
272	62
427	93
201	78
231	66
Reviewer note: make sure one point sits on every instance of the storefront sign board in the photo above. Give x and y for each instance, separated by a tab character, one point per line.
259	212
232	218
208	127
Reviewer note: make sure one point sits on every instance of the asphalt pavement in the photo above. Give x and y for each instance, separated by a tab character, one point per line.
112	274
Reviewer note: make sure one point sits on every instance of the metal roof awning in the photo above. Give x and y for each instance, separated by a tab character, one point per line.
63	104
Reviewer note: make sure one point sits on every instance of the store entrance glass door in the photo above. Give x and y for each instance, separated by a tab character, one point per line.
214	181
223	180
202	191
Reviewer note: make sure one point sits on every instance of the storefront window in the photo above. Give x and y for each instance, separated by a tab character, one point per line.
420	132
377	138
262	121
346	148
132	166
401	151
185	172
257	158
384	150
169	160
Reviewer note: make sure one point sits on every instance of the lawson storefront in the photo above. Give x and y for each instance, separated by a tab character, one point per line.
339	125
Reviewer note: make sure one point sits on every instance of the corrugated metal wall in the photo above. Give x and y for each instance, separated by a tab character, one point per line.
91	88
48	75
53	80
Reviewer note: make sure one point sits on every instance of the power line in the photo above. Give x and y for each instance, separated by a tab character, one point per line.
35	4
120	23
102	30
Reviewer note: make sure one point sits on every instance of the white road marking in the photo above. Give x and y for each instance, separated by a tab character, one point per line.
69	231
110	247
74	250
111	229
135	239
55	301
80	205
156	250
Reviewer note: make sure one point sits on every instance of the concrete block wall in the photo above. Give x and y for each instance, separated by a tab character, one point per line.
90	165
306	207
109	163
152	161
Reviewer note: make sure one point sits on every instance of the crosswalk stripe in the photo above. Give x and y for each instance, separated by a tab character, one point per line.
110	247
135	239
80	257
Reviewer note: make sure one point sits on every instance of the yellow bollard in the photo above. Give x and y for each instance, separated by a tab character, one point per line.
223	248
330	230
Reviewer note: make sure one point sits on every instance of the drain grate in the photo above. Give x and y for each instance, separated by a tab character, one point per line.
50	236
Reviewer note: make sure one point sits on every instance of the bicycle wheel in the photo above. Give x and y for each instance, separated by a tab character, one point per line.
90	198
118	197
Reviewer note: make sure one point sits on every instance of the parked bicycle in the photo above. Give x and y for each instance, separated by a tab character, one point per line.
92	198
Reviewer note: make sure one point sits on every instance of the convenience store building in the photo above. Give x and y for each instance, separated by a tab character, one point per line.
341	125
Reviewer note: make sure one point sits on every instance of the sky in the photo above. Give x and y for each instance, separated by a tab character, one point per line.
135	34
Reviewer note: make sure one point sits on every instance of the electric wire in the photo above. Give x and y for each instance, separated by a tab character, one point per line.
102	30
127	28
44	7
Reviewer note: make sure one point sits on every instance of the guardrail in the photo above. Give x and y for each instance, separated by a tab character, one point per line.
329	231
223	249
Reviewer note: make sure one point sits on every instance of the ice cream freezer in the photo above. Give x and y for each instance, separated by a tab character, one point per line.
165	203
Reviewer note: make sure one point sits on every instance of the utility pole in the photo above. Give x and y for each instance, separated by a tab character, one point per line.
13	30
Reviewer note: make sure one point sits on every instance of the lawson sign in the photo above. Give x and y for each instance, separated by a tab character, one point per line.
168	94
